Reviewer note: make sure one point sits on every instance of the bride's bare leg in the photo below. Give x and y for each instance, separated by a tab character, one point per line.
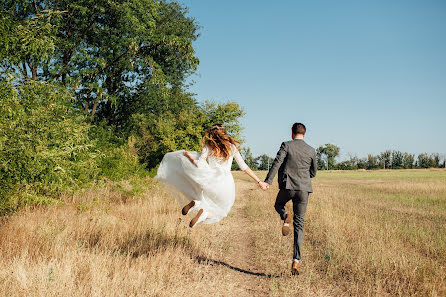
195	219
187	207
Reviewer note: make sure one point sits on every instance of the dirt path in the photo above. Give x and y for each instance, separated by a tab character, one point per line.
237	254
250	255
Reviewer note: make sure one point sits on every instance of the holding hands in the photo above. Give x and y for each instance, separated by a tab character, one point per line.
264	186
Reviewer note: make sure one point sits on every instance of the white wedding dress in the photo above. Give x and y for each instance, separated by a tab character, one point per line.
211	184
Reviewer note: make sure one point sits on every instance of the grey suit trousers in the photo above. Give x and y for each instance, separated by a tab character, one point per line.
300	201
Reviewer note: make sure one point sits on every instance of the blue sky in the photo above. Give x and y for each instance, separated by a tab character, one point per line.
364	75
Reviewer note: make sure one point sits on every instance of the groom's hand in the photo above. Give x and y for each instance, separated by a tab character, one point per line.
264	186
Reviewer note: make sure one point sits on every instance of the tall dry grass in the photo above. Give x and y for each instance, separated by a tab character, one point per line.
377	233
104	242
366	234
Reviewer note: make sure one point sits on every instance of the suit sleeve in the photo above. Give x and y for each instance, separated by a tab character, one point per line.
313	167
280	157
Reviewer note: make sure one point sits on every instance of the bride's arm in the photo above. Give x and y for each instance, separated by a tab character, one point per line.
201	159
241	163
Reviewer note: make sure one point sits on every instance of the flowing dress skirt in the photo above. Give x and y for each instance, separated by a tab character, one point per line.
212	188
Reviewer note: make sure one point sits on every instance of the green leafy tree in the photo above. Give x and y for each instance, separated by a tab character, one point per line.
27	40
428	161
44	144
346	165
397	159
249	158
330	151
228	114
385	159
264	162
320	161
362	163
435	160
408	160
173	124
423	160
103	50
372	162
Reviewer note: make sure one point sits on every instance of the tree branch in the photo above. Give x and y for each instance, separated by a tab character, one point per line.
35	7
93	110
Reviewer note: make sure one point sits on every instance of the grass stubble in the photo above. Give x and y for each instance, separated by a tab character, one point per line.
379	233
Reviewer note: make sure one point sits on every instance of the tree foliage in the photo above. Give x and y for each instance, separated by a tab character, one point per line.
264	162
172	125
90	88
44	143
103	50
330	151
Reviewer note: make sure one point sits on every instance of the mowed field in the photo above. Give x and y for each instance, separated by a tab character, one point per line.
367	233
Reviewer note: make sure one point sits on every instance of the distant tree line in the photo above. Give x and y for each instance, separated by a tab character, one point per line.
262	162
389	159
326	160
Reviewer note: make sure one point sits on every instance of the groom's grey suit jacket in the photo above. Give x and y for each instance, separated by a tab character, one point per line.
297	164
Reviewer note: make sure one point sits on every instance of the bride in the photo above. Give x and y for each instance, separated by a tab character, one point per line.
207	187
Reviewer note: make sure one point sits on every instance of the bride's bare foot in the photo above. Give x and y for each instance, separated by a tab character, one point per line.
187	207
195	219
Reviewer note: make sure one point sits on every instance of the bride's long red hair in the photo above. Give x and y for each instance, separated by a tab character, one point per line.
219	141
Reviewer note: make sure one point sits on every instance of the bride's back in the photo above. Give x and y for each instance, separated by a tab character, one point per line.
221	162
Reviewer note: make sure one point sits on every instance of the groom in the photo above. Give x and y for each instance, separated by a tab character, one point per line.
296	163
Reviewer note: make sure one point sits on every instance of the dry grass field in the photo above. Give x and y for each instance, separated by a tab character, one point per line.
377	233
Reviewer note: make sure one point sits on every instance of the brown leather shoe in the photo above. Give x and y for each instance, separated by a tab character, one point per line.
188	206
287	225
195	219
295	267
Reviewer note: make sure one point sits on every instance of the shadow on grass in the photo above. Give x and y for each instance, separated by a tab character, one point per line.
151	242
203	260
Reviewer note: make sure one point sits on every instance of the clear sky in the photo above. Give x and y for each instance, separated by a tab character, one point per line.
364	75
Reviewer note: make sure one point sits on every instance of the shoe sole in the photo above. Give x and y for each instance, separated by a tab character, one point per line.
195	219
188	206
286	229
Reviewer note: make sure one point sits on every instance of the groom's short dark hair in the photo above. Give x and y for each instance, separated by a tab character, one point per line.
298	128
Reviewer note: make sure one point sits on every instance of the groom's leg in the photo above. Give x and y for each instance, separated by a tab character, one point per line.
282	198
300	201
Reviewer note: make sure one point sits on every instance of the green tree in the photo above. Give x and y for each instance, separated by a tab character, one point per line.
372	162
320	161
330	151
408	160
397	159
44	144
228	114
264	162
346	165
435	160
385	159
27	40
424	161
103	50
249	158
362	163
173	124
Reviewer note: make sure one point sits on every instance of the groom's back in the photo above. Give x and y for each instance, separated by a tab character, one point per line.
299	166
